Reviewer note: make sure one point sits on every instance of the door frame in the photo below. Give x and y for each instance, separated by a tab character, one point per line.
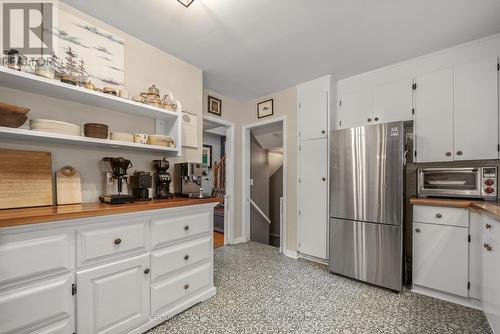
230	163
245	178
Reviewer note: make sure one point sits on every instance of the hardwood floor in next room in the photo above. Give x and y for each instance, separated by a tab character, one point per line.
218	239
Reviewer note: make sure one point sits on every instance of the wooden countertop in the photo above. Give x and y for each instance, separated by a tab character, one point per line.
492	208
23	216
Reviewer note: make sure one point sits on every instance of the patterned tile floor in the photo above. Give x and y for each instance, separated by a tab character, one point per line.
261	291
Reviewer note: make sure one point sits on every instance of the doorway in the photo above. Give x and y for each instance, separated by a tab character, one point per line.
264	181
218	155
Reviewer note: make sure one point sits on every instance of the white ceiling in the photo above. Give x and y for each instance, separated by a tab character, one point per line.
249	48
270	136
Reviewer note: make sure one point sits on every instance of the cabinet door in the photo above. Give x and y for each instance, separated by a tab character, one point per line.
313	187
314	101
355	109
440	258
491	271
476	110
434	116
476	255
113	298
38	305
393	102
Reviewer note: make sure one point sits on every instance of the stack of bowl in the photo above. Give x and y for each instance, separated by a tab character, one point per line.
48	125
12	116
96	130
122	136
161	140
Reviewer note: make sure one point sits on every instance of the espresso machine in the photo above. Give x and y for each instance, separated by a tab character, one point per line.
116	190
189	179
162	179
141	183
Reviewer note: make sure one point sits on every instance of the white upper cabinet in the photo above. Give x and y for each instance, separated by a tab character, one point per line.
382	103
354	109
313	108
434	116
476	110
392	102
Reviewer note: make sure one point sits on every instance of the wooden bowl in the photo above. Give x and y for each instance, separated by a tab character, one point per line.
10	108
12	120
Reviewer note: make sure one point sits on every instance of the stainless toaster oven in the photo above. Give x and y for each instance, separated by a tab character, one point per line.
470	182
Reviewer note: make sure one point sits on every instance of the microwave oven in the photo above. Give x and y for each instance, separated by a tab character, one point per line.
469	182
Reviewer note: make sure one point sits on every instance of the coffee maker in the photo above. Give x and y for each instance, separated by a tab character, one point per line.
162	178
141	182
116	181
189	178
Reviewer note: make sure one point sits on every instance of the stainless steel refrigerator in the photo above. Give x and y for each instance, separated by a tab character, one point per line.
366	202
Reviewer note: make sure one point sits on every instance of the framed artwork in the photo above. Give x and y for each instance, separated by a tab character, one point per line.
214	106
265	108
206	156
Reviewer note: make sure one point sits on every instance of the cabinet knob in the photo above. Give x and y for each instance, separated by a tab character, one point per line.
118	241
439	215
323	178
417	230
376	119
186	286
186	257
448	154
146	271
369	119
323	132
460	152
488	226
487	247
186	228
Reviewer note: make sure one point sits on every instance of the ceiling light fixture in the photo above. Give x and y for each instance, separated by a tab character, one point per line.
186	3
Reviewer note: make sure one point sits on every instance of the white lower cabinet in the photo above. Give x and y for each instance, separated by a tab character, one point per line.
36	305
121	283
491	271
113	298
440	256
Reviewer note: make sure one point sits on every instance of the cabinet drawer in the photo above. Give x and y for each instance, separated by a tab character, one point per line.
168	260
28	256
96	245
164	294
36	305
168	229
441	215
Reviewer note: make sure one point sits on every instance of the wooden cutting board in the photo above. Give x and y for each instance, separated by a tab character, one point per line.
25	179
68	186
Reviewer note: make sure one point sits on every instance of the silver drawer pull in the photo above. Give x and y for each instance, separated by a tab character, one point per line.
186	228
488	226
439	215
417	230
186	257
118	241
186	286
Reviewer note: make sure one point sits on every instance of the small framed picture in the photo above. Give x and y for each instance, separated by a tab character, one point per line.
206	156
214	105
265	108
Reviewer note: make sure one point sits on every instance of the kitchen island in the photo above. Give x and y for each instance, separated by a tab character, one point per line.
99	268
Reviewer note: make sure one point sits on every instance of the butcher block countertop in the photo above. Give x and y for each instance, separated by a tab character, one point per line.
492	208
23	216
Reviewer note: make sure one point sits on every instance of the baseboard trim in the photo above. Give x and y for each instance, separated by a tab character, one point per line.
236	241
313	259
292	254
467	302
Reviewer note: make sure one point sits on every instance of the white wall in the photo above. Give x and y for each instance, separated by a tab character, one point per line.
144	65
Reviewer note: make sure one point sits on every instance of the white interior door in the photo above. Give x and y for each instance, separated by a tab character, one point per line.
393	101
113	298
434	116
440	257
491	271
314	99
355	109
313	187
476	110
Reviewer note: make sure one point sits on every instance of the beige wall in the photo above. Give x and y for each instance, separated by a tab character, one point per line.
245	112
144	65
